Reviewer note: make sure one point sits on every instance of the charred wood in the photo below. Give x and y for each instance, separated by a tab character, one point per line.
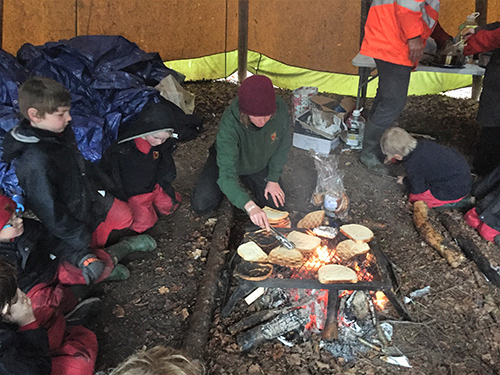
471	251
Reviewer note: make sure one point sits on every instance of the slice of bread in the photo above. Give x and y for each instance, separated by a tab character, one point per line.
304	242
285	257
356	232
312	220
285	223
349	249
335	273
251	252
273	215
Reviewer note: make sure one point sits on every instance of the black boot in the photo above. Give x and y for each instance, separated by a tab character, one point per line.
370	156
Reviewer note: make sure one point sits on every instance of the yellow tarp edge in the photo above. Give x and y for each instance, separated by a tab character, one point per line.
223	65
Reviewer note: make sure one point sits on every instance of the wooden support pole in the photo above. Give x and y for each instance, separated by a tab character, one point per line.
331	329
242	39
1	23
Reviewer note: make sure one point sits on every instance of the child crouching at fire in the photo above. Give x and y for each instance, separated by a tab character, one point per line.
435	174
158	361
142	167
485	217
42	273
35	341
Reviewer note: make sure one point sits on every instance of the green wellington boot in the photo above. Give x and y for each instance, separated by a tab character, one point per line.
371	149
127	245
119	273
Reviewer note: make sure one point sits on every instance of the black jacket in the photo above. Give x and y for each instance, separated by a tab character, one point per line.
133	172
24	353
61	187
34	253
487	193
442	170
489	104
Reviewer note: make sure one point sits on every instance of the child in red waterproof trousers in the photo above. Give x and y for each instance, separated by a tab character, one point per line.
41	271
142	167
37	341
66	192
435	174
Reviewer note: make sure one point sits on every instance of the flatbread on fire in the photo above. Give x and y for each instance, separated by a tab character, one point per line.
312	220
357	232
304	242
251	252
349	249
335	273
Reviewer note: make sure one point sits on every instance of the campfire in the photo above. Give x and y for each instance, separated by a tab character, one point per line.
296	304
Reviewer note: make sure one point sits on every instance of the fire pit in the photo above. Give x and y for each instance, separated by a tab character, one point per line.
373	271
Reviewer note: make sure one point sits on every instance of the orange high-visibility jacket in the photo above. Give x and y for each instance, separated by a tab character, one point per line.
391	23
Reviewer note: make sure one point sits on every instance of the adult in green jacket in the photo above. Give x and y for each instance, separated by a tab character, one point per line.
250	151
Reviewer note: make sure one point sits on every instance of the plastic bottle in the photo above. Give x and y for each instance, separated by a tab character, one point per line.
470	23
355	130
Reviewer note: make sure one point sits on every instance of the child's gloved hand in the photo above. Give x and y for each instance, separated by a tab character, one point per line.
91	268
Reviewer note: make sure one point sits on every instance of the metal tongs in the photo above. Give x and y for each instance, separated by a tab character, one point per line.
284	241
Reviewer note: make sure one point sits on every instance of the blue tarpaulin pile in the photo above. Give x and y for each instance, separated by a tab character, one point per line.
110	79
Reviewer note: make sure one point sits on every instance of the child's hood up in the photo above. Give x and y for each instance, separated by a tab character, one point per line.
155	117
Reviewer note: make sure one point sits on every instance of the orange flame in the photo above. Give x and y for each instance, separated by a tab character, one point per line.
380	300
318	258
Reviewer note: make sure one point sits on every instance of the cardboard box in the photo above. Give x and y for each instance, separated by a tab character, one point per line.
307	140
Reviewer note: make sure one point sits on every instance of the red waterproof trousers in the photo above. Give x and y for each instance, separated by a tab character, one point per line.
73	349
431	201
143	208
119	217
473	220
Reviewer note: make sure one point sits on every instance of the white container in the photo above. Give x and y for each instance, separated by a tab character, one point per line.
355	130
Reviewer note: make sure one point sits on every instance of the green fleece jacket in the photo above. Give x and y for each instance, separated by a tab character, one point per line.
242	151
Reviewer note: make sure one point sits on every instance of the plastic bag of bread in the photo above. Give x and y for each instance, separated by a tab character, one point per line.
329	191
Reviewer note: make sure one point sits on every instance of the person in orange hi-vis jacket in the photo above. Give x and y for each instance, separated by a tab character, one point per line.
396	32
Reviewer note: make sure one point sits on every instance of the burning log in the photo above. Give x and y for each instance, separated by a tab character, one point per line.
432	236
294	320
331	329
470	249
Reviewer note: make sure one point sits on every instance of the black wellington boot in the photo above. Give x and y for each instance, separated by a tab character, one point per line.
371	149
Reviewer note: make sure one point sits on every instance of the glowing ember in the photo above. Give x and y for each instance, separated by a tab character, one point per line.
380	300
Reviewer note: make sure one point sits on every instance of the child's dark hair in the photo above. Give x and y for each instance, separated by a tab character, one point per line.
43	94
8	282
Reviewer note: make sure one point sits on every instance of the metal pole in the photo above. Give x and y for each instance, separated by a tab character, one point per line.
364	73
242	39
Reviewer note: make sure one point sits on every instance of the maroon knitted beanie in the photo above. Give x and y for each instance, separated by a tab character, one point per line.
257	97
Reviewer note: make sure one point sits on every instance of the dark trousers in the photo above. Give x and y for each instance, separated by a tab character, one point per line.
487	152
207	195
392	91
